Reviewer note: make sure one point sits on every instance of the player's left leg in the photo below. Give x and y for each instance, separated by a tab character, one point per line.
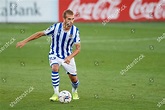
72	73
75	83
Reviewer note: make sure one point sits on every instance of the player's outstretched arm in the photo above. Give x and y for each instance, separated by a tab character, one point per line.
32	37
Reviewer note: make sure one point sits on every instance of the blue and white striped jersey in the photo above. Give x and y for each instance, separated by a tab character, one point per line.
62	42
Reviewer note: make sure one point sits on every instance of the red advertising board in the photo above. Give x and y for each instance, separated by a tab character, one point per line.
114	10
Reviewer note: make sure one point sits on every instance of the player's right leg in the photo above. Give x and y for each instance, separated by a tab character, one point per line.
54	76
55	82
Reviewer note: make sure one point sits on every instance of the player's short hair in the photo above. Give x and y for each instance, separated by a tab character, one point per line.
68	11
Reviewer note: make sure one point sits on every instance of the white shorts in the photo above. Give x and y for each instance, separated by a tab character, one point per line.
71	67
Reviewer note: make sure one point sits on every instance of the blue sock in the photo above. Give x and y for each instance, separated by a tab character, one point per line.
75	86
55	82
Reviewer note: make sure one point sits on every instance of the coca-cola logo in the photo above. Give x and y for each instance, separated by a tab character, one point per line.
123	7
106	10
101	9
152	10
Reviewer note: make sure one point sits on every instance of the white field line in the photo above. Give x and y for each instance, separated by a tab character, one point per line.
117	40
107	40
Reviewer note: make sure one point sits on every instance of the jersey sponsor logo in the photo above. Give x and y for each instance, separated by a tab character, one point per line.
70	36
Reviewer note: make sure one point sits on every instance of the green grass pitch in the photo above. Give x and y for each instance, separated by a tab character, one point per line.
105	52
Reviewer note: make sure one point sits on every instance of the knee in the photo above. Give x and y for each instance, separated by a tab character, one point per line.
55	68
73	78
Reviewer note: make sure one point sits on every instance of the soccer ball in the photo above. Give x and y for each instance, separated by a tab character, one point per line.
65	96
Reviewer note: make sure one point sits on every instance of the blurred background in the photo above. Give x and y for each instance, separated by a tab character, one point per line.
85	10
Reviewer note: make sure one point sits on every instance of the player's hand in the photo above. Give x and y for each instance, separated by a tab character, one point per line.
67	60
20	44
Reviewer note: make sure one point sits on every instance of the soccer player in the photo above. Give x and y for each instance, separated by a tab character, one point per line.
64	36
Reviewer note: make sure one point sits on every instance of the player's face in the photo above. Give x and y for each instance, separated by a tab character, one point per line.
69	20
